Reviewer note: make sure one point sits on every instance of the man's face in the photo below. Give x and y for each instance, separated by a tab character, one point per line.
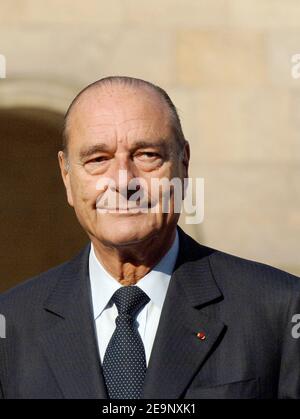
120	133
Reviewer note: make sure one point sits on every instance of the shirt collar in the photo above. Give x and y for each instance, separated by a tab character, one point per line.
155	283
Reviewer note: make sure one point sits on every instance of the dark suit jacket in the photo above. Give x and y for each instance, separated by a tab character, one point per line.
242	308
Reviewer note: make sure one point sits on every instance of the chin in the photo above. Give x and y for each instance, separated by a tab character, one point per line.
125	232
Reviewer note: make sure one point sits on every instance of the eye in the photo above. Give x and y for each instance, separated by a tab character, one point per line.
147	155
151	154
98	159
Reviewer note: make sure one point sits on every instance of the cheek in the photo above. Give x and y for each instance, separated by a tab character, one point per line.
83	190
175	170
168	170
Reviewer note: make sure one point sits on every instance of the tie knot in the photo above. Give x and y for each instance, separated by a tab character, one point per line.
129	300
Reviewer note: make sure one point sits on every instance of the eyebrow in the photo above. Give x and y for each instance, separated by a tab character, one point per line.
95	148
102	147
145	144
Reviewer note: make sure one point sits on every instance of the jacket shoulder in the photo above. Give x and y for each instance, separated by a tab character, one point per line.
231	271
231	267
37	288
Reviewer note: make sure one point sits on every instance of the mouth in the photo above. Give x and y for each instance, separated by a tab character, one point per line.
124	209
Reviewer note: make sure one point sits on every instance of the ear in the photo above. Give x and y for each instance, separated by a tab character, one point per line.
186	158
65	174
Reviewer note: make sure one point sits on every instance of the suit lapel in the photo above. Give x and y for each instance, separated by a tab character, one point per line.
177	353
69	342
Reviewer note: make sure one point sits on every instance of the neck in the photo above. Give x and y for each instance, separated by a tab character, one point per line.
128	264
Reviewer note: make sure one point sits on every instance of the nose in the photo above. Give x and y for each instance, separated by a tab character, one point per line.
123	171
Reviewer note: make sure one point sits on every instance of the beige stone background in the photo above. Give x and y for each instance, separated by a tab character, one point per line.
227	66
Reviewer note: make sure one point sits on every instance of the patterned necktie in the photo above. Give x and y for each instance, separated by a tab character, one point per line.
124	363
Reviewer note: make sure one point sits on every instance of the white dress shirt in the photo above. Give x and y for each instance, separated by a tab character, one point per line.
154	284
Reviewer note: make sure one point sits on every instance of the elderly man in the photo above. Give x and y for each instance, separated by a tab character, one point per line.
143	311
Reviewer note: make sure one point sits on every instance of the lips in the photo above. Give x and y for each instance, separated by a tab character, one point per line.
124	209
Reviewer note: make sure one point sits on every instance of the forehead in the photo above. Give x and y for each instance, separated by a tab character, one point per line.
119	112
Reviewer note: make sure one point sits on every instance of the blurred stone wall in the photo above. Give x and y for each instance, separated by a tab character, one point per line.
227	66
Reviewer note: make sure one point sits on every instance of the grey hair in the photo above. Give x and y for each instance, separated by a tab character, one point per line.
129	82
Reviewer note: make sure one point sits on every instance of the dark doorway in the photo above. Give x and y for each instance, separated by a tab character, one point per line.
38	228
